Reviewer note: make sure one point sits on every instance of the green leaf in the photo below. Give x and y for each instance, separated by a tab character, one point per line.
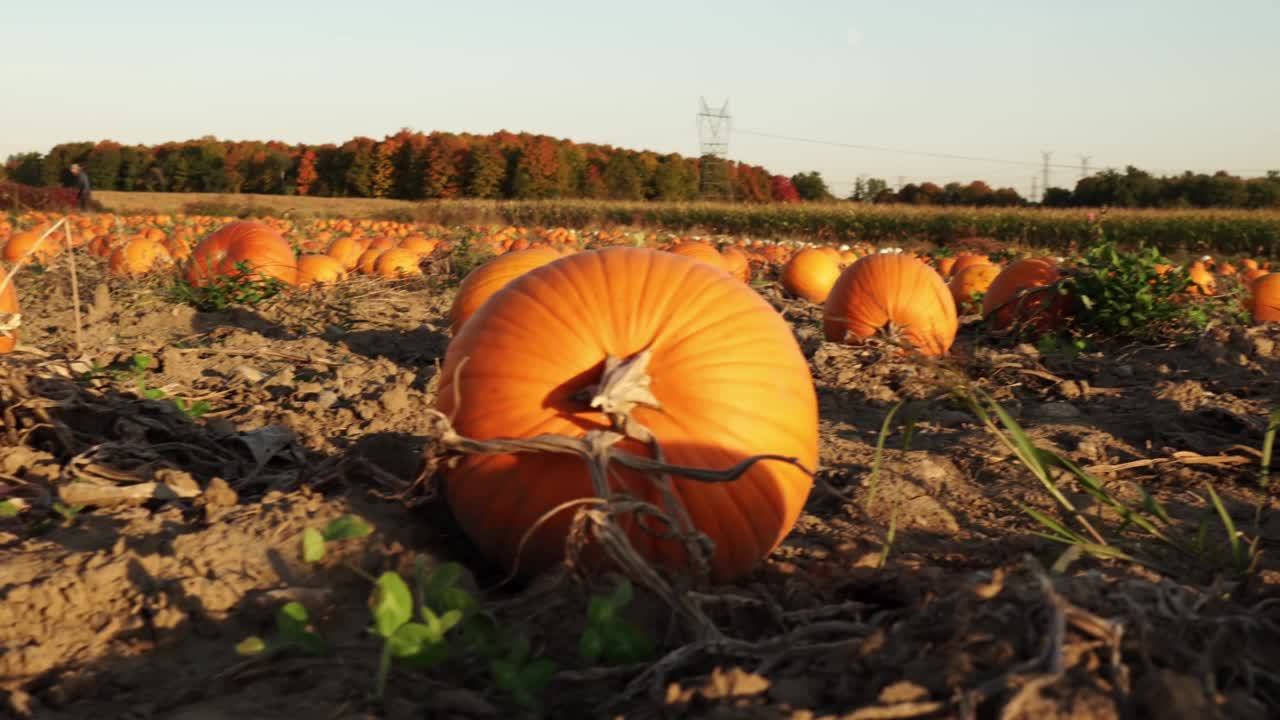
625	643
416	642
347	527
391	602
538	673
312	545
591	644
599	611
292	620
250	646
8	509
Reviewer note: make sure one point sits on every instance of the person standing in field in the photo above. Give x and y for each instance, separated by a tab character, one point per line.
82	185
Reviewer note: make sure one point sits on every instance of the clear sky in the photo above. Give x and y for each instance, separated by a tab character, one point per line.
1166	85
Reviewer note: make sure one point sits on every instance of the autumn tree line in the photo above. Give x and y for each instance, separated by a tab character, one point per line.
417	166
407	165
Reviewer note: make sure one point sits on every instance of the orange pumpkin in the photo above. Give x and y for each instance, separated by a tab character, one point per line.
700	251
397	262
1264	298
966	260
316	269
1202	280
1248	276
346	250
810	274
21	244
1026	292
970	280
422	246
891	292
736	263
10	318
725	368
946	266
137	257
491	277
262	250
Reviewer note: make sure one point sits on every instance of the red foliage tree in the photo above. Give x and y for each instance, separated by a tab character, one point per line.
782	190
307	174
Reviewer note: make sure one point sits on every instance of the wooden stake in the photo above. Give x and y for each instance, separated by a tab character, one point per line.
75	289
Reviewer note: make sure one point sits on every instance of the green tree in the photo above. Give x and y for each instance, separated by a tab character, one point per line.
622	178
26	168
486	170
811	186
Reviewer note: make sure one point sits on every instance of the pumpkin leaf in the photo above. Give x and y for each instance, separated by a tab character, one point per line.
391	603
250	646
347	527
418	645
312	545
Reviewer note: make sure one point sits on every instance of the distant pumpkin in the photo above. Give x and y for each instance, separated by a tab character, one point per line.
314	269
810	274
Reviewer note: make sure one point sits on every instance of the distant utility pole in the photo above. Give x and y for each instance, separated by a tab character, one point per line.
714	125
1032	196
1045	169
1084	166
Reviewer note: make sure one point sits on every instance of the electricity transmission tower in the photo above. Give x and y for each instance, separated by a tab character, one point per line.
1045	170
1084	166
714	125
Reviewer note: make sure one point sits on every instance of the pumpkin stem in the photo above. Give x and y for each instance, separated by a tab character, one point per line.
624	385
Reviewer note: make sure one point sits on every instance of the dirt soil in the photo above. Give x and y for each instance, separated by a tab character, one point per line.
152	542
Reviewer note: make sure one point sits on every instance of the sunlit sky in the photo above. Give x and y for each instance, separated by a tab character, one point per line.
1166	85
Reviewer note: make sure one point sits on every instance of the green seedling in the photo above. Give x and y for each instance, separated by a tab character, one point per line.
523	677
608	637
347	527
421	644
293	631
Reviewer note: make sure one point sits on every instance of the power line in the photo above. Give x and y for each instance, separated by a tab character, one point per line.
977	158
879	148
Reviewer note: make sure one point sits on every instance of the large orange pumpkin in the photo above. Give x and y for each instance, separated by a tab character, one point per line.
890	292
1025	292
9	312
491	277
810	274
725	368
262	250
1264	298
